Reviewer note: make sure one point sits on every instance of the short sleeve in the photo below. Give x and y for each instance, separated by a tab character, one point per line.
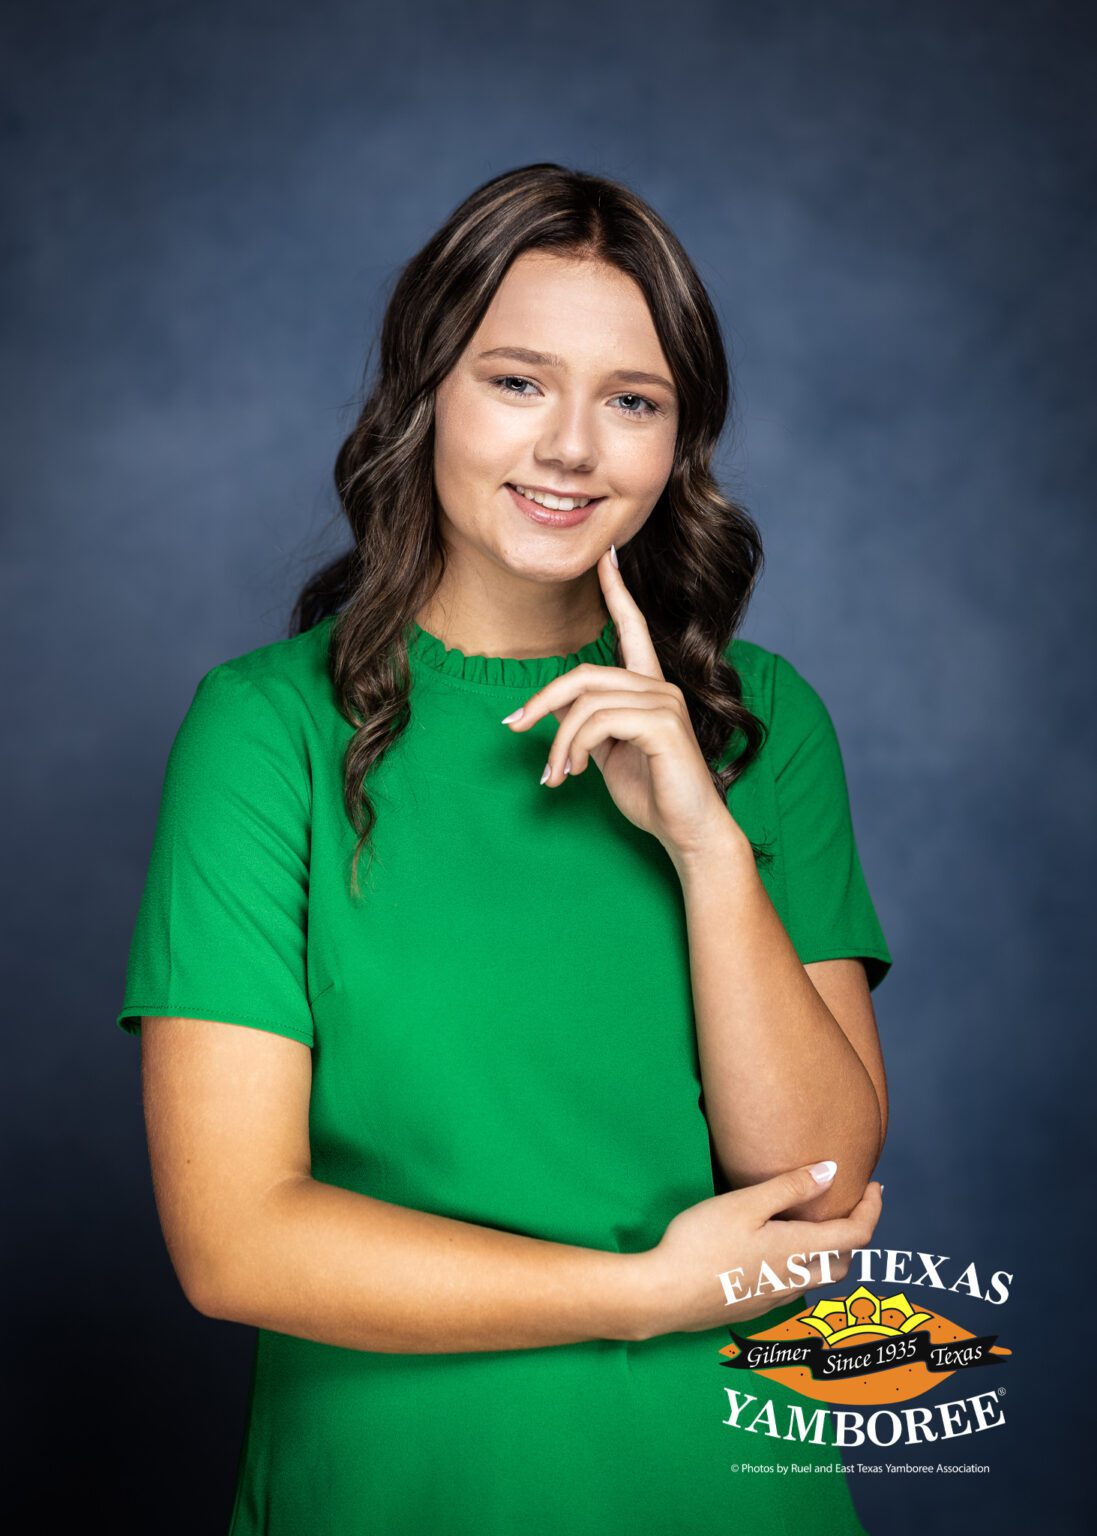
222	922
830	914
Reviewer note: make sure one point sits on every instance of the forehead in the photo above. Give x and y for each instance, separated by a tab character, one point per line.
578	310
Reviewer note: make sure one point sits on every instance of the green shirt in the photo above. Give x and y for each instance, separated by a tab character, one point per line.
502	1031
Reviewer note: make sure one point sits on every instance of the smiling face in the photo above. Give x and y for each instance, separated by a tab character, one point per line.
557	407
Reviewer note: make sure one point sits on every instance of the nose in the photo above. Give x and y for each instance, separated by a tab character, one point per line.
568	437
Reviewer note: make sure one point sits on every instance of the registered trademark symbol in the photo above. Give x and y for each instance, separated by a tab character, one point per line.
1001	1391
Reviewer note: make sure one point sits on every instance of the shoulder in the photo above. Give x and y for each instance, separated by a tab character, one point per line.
287	679
780	695
287	672
263	704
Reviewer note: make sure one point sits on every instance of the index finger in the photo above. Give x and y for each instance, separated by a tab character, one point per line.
853	1231
637	647
840	1232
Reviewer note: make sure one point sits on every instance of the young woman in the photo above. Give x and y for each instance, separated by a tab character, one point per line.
470	1129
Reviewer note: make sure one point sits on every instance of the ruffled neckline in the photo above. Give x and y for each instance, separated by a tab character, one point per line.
526	672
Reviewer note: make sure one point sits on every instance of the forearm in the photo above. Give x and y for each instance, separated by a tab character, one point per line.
782	1084
324	1263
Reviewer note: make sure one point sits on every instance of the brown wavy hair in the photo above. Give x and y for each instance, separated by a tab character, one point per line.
693	566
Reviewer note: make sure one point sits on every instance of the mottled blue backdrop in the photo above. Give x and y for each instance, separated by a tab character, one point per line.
893	208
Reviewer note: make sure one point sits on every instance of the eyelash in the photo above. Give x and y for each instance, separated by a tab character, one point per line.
652	408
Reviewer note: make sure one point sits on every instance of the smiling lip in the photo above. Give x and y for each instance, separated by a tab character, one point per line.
547	517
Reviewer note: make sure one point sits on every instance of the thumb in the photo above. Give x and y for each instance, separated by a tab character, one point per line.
790	1188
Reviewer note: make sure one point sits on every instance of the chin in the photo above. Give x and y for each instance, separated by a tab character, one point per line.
537	563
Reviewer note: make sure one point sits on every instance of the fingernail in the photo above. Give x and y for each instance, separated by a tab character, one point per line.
822	1173
613	557
881	1190
548	770
514	715
567	766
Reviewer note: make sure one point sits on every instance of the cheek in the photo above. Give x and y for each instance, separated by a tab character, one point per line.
474	439
644	464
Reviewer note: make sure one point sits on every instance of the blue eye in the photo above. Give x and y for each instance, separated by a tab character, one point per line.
651	408
504	384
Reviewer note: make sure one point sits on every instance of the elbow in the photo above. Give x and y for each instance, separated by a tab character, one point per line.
228	1276
201	1268
199	1285
848	1188
855	1170
226	1288
837	1201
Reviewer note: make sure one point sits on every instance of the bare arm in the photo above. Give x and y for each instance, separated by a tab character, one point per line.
790	1056
255	1239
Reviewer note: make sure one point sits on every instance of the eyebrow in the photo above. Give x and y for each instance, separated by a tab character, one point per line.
550	360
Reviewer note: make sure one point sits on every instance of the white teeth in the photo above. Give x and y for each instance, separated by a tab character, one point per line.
554	503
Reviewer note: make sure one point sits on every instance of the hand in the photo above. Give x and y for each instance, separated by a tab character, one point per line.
679	1277
636	727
